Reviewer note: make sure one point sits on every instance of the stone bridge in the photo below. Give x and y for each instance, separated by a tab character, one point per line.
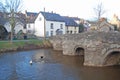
98	48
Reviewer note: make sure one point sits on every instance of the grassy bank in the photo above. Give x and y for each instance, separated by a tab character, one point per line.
23	45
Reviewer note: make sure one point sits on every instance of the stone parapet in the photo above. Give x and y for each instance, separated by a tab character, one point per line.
97	46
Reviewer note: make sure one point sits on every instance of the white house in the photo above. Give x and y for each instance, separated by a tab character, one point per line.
49	24
30	22
71	26
19	25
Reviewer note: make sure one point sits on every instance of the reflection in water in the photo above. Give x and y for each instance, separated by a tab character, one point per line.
53	66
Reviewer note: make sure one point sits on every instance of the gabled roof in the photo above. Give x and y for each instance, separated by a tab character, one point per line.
75	18
52	16
69	21
3	21
31	16
31	13
19	17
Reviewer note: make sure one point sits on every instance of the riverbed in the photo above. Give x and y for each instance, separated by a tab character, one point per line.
53	66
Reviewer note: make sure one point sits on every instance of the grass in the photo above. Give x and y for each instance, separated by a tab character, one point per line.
21	43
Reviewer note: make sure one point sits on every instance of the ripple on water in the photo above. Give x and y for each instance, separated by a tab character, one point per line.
54	66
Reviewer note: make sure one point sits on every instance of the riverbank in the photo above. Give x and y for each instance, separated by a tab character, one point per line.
21	45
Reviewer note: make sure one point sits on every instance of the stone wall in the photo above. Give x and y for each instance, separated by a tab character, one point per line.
97	45
56	42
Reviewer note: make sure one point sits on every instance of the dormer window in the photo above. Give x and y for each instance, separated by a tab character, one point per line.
40	19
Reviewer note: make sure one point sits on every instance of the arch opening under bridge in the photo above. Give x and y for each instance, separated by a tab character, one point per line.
113	58
79	51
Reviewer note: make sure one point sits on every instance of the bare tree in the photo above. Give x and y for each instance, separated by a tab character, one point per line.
99	11
11	8
1	7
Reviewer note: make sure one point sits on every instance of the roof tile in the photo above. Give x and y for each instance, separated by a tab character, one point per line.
52	16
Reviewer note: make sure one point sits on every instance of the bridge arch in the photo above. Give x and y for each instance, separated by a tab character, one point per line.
3	32
112	57
78	50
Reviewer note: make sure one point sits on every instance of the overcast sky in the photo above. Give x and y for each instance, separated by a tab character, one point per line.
74	8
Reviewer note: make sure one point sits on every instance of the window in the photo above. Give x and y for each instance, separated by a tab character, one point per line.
68	32
51	33
115	28
29	31
24	27
61	26
51	25
29	25
71	32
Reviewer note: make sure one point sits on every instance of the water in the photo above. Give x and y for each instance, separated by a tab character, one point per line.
53	66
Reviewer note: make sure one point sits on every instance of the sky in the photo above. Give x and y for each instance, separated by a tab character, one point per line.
74	8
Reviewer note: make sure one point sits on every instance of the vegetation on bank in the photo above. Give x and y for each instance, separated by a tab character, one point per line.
23	45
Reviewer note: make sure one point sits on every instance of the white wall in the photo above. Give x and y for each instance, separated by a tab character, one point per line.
17	28
7	26
72	28
39	26
56	25
30	28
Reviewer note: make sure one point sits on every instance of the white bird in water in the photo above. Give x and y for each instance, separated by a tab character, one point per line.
30	62
42	61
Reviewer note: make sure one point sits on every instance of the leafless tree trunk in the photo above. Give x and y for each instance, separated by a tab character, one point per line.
10	8
99	11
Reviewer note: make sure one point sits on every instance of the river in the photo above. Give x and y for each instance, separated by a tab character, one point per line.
53	66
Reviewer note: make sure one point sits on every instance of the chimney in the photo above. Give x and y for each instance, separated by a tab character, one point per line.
44	9
26	13
51	11
103	19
